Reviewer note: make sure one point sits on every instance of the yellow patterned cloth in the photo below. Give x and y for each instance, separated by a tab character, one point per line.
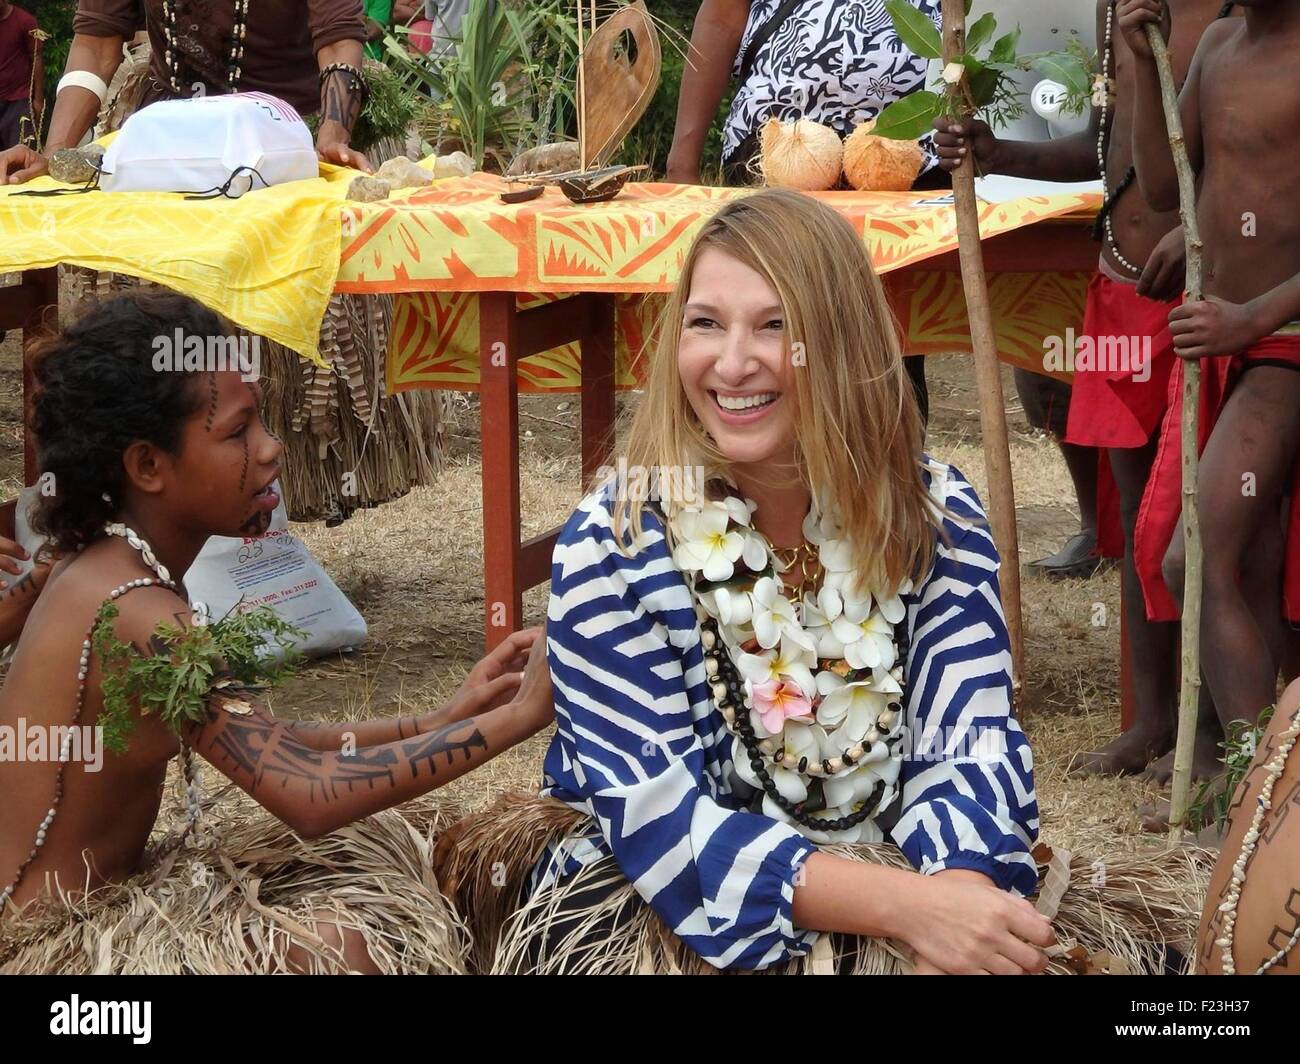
267	260
456	239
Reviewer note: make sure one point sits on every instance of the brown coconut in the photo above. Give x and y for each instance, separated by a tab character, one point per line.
879	164
803	154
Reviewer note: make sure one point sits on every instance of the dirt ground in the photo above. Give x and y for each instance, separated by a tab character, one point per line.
414	567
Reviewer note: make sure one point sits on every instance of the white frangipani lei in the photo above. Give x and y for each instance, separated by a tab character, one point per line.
822	685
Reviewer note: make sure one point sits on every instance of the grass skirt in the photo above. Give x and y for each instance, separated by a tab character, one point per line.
1116	916
238	901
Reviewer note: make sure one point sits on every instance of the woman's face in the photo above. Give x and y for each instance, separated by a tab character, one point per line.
733	361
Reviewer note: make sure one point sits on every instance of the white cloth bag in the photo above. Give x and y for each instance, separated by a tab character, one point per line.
202	144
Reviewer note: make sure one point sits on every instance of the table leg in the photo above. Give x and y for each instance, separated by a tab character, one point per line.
499	431
505	336
598	341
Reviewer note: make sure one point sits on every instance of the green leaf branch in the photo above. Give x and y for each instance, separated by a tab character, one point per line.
191	663
984	82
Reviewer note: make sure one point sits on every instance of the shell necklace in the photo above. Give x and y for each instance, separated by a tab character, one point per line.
1249	841
171	56
161	578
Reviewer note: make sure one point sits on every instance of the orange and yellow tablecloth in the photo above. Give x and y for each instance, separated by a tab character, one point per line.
270	259
438	247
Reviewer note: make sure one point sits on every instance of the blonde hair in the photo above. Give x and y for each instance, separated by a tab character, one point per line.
857	426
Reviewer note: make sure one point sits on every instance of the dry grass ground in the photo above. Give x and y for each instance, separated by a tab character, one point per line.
414	568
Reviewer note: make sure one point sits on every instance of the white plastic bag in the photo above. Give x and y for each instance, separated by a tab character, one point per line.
235	142
275	570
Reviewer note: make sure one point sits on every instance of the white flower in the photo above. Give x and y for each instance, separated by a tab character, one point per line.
733	607
818	616
792	661
755	552
851	788
867	636
704	544
739	510
853	709
892	607
773	614
799	741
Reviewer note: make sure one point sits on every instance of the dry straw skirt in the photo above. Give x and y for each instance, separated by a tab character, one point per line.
247	894
1120	915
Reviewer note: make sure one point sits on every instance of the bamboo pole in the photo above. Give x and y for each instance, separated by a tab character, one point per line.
1189	689
988	380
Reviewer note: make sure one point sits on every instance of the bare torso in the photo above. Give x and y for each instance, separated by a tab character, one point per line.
1249	103
110	811
1137	228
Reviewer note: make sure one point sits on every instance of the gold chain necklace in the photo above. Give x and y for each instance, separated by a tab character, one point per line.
803	558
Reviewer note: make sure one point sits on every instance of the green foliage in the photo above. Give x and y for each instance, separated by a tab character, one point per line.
512	69
987	85
176	684
389	111
1214	797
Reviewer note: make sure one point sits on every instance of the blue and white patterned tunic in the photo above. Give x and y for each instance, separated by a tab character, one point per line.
642	750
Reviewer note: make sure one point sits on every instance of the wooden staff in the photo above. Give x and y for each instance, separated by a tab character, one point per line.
988	380
582	89
1190	687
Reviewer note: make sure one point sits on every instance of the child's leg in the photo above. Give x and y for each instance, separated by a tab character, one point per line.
1244	472
1153	645
1047	403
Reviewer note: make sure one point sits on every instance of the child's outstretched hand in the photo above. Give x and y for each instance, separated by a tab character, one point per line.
1166	270
1212	327
536	698
1134	17
954	139
496	678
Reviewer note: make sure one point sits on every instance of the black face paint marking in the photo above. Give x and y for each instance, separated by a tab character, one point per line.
243	473
212	401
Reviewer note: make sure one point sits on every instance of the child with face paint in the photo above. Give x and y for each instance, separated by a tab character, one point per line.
146	465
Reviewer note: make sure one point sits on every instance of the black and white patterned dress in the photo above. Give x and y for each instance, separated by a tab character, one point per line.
838	62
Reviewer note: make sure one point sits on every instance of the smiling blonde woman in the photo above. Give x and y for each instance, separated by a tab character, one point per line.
813	655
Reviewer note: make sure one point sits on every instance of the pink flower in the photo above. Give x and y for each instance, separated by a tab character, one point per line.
776	700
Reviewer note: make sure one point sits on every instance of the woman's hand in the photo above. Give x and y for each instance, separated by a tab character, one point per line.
960	923
536	698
